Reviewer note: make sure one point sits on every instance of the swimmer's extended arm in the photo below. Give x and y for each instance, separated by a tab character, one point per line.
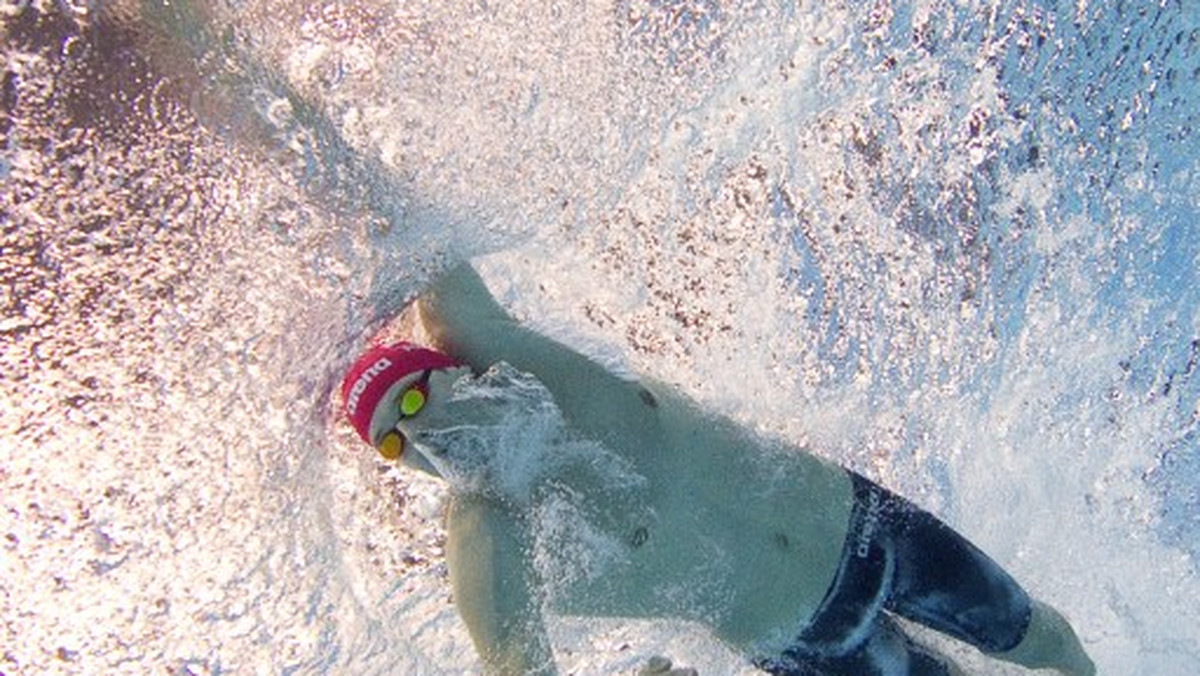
487	550
468	323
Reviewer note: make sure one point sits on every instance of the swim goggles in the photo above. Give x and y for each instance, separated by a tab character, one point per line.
408	404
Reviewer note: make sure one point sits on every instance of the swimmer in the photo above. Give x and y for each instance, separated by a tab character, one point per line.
799	565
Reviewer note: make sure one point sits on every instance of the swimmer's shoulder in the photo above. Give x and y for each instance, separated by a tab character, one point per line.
461	316
463	319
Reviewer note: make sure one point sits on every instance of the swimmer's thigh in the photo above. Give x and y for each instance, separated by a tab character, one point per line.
886	651
944	582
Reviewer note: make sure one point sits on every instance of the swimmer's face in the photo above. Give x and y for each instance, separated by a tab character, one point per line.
412	399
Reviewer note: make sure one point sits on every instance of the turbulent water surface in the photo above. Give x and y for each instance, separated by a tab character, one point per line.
950	243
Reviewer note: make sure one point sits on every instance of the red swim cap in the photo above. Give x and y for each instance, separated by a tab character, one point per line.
378	369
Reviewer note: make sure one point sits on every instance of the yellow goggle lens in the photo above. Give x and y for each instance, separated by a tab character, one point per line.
412	402
391	446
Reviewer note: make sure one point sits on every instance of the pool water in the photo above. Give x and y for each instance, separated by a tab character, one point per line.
949	244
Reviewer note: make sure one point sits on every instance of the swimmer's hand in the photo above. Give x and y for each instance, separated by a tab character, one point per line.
661	666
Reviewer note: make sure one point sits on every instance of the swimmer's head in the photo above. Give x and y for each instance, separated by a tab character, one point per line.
386	385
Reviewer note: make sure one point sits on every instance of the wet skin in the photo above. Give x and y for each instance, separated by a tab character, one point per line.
725	528
722	527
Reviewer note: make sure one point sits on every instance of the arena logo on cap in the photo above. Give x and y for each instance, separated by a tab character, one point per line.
365	379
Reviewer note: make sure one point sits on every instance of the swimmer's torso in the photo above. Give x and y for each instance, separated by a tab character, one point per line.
657	519
703	539
695	534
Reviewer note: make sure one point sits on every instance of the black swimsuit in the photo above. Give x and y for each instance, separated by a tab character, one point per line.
903	560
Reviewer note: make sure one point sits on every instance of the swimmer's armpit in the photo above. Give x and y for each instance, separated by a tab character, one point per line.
661	666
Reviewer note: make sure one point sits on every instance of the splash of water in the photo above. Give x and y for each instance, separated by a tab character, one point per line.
948	243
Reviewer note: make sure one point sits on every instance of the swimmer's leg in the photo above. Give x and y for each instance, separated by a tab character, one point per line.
889	647
1049	642
944	582
885	651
